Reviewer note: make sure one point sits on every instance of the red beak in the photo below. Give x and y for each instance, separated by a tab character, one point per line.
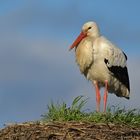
77	41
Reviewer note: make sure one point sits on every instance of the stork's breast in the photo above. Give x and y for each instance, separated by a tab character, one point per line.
84	54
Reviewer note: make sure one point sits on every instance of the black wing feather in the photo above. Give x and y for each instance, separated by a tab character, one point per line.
121	73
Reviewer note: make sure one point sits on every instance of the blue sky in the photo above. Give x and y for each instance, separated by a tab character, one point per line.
36	66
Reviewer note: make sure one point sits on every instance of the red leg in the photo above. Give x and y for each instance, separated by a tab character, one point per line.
105	95
98	97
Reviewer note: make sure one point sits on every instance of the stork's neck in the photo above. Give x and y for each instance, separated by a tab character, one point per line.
95	35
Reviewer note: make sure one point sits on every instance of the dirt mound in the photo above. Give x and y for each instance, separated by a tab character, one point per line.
69	131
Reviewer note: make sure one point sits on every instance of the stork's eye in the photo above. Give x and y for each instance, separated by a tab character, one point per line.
89	28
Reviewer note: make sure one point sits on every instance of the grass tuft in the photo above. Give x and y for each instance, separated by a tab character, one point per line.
114	114
60	112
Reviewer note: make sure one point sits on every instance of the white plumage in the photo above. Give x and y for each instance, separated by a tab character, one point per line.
101	62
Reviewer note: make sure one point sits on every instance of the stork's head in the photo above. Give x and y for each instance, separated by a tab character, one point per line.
89	29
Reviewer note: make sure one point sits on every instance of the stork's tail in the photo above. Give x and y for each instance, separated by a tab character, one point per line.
123	92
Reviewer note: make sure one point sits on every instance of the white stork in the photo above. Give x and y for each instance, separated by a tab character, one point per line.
102	63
